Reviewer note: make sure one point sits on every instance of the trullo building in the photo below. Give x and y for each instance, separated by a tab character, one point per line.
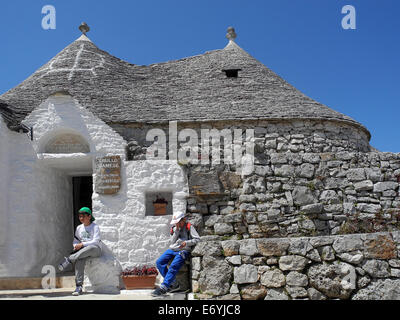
89	129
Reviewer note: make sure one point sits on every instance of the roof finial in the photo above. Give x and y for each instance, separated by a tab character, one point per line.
84	28
231	35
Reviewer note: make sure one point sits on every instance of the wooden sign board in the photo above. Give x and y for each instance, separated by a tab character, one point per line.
108	175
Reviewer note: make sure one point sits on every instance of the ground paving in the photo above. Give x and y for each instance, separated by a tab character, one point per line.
66	294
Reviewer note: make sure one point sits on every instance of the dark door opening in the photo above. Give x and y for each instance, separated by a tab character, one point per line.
82	189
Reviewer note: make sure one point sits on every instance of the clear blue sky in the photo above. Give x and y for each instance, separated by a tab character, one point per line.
355	72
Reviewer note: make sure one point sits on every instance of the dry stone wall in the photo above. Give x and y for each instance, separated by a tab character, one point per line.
356	266
307	194
302	226
318	217
295	136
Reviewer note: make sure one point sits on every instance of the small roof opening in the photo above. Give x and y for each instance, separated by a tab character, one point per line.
232	73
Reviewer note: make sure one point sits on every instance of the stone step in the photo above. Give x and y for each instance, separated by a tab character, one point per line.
66	294
34	283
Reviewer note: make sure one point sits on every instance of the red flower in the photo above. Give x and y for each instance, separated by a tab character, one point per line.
140	271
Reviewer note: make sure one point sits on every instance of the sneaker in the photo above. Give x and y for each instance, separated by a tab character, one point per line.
63	265
174	287
160	291
78	291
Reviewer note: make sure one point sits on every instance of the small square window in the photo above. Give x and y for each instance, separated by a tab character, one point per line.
158	203
232	73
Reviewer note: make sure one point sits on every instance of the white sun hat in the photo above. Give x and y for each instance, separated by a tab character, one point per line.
178	217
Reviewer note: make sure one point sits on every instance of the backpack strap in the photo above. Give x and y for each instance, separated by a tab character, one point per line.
188	226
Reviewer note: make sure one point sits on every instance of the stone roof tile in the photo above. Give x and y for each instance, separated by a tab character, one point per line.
188	89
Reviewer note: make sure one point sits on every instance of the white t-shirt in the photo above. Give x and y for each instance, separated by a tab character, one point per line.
89	236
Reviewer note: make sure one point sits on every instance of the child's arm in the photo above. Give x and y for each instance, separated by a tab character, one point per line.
175	235
76	237
96	237
195	237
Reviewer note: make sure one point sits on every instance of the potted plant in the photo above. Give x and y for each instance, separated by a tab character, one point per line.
142	277
160	206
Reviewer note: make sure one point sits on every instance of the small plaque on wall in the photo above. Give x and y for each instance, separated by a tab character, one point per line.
108	175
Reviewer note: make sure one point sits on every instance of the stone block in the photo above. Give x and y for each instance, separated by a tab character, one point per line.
348	243
235	260
196	263
278	158
314	208
384	186
248	247
272	247
314	294
337	280
354	257
230	247
299	247
211	248
356	174
253	292
103	274
303	196
326	253
364	185
230	180
273	278
296	292
223	228
216	276
276	294
292	263
296	279
204	183
246	273
376	268
382	289
284	170
383	247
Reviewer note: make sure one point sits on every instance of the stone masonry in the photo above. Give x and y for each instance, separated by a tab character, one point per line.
357	267
302	226
305	195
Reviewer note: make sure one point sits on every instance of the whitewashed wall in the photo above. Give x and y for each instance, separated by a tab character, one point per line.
35	203
134	237
4	137
36	225
64	114
49	176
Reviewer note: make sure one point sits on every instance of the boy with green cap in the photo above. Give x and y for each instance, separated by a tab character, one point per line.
87	244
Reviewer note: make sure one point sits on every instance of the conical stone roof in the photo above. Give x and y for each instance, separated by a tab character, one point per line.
189	89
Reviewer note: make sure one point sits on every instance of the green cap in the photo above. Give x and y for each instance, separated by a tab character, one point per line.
86	210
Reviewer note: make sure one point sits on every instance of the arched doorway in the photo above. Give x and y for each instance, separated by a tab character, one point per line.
67	167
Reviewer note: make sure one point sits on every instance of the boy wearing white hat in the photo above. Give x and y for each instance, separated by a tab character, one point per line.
184	237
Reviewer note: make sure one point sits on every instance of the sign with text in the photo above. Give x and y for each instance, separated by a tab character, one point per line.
108	175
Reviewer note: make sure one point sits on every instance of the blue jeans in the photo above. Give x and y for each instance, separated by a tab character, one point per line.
170	273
